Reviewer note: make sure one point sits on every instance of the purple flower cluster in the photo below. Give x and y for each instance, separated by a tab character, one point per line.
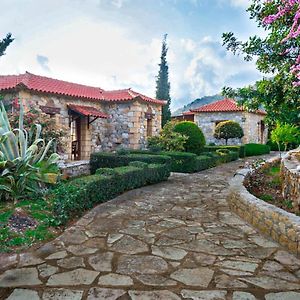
287	7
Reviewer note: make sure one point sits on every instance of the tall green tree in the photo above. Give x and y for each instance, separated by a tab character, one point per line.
163	84
275	57
4	43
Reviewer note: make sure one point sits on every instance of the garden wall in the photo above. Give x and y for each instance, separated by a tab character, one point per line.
291	178
281	226
75	168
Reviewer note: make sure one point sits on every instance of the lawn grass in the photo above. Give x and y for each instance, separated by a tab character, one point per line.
37	209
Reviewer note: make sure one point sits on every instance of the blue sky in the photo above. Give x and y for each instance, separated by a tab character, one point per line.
116	43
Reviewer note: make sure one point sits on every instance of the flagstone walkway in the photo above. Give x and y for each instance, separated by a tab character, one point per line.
173	240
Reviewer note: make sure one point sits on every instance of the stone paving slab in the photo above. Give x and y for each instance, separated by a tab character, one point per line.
173	240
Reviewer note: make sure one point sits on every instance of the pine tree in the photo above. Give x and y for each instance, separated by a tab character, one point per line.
5	43
163	84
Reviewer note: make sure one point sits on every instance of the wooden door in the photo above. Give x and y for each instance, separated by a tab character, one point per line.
76	138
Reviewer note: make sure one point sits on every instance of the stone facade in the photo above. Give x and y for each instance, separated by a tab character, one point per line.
128	125
252	124
290	174
281	226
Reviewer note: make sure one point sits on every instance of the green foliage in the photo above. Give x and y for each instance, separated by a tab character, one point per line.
285	134
4	43
277	94
163	84
113	160
256	149
168	140
184	162
74	197
240	149
23	163
196	139
105	171
228	130
138	164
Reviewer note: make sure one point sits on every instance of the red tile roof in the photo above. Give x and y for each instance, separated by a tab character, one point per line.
60	87
87	111
128	94
226	105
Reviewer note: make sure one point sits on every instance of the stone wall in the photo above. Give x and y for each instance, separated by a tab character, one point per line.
290	174
281	226
126	126
74	168
248	121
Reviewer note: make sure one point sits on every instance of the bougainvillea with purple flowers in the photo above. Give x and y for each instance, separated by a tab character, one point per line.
277	56
286	9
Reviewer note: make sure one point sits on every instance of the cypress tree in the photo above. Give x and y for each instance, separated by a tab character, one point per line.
5	43
163	84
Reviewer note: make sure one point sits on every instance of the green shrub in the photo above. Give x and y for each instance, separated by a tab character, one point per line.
168	139
274	147
228	130
239	148
182	162
204	162
222	151
105	171
256	149
113	160
74	197
196	139
138	164
285	134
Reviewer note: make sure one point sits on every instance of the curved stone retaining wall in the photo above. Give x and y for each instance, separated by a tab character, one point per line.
272	221
291	178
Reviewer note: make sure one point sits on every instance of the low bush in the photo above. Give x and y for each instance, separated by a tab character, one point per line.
184	162
256	149
196	139
239	148
204	162
76	196
113	160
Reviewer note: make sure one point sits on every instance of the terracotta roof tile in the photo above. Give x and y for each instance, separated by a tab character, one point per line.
87	111
226	105
60	87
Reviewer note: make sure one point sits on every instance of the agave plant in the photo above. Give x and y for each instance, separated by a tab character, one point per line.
24	165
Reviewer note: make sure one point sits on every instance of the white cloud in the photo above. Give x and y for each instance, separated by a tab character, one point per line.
206	69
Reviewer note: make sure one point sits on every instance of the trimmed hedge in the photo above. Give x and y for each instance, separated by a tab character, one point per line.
239	148
184	162
256	149
74	197
113	160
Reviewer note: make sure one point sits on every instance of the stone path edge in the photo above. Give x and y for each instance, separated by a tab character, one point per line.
282	226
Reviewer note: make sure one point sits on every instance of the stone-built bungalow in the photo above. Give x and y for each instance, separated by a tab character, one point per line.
208	116
97	119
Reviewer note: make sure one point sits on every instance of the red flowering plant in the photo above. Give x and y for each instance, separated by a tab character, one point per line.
50	129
